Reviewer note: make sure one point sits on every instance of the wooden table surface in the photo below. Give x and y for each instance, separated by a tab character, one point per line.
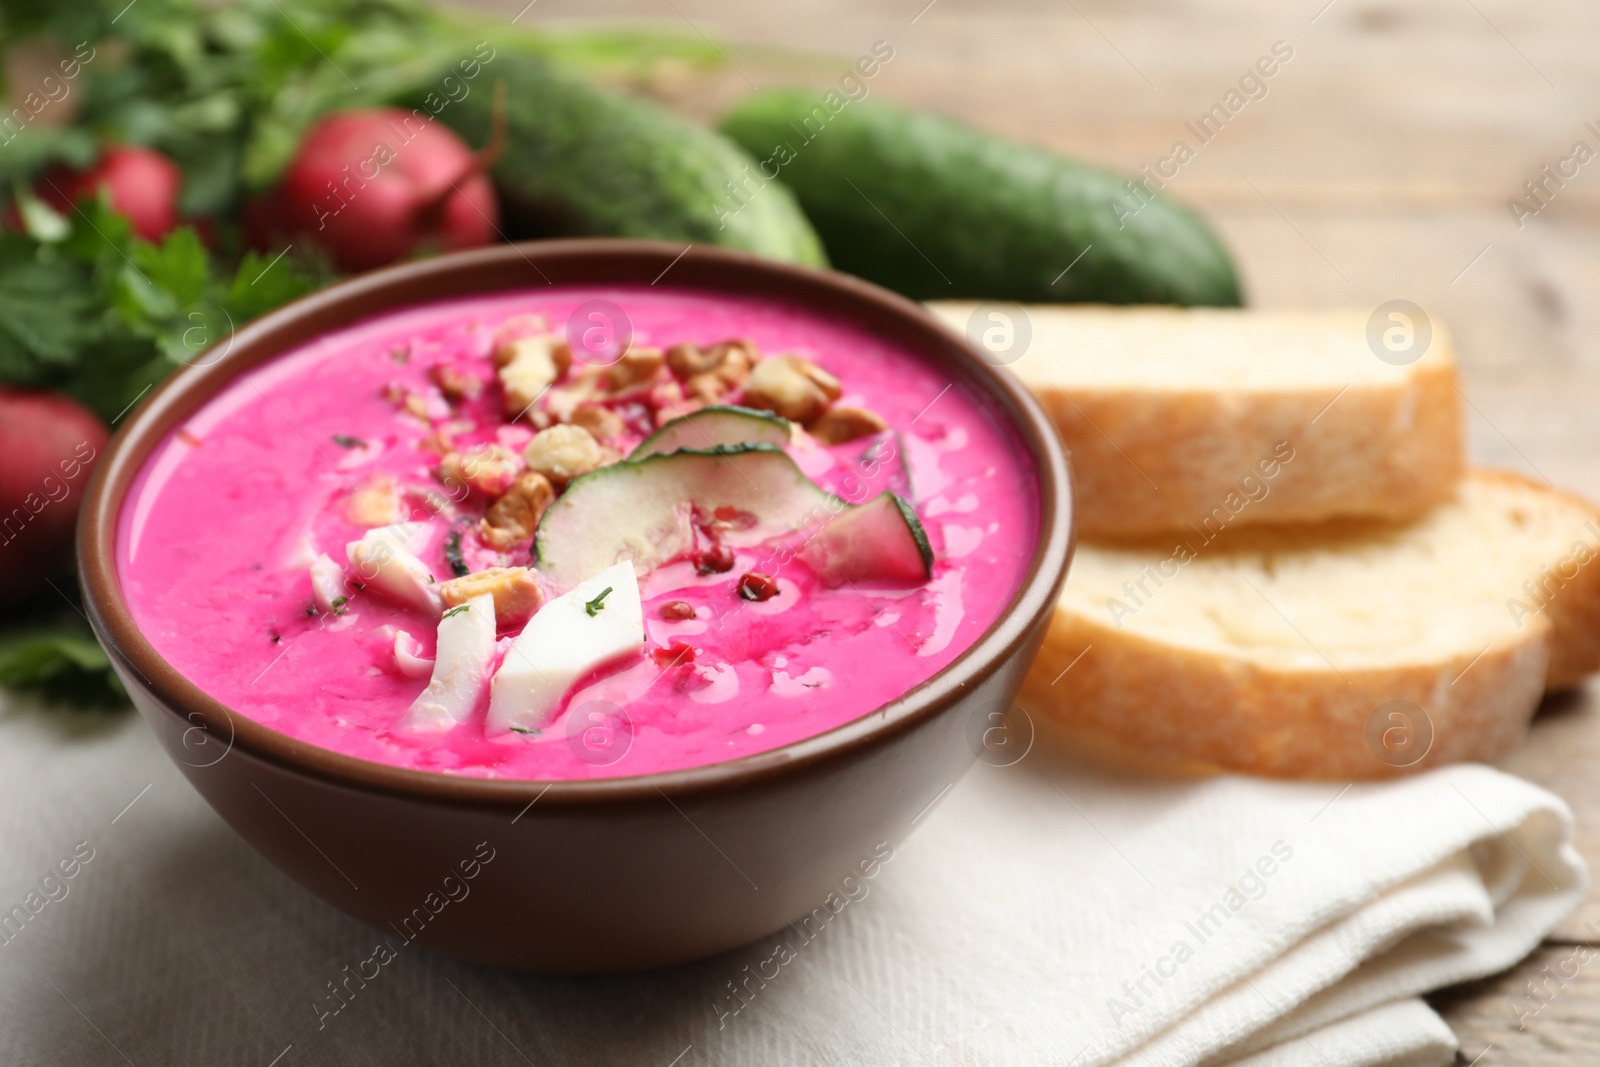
1378	165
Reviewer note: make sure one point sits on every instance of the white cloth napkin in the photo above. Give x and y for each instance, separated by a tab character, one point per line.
1034	917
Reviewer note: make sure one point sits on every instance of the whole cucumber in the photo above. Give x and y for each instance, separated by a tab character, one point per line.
934	208
579	159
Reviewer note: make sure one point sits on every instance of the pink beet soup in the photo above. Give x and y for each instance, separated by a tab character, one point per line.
302	456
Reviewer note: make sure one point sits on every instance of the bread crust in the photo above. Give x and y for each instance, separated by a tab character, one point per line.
1153	706
1157	706
1568	594
1145	461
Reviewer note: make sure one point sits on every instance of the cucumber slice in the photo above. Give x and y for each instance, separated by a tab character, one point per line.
724	424
640	509
884	464
882	540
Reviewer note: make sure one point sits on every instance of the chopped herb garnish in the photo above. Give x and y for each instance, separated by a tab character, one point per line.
525	730
338	603
811	685
360	586
311	612
275	635
452	554
593	607
344	440
457	611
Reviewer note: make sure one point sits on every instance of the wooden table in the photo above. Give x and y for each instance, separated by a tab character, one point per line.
1378	165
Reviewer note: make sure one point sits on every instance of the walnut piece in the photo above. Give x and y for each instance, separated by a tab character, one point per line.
580	387
377	503
456	385
528	366
563	453
516	592
707	388
840	424
686	360
728	360
795	388
488	469
735	360
515	515
603	424
638	366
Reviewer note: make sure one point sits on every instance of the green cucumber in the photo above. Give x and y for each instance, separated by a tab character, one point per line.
936	209
640	509
723	424
881	540
579	159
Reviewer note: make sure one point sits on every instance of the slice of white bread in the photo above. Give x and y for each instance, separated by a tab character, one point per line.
1273	650
1171	414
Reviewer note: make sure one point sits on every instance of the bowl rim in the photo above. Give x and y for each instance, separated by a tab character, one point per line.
521	266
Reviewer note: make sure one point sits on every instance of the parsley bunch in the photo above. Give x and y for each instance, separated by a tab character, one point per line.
90	310
226	91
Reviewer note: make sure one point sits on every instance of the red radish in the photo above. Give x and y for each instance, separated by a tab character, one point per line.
47	445
141	183
376	185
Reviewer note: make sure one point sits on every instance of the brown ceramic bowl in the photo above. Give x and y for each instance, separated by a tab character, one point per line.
581	876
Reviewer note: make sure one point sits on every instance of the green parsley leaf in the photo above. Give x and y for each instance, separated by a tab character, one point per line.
61	661
344	440
593	607
453	556
457	610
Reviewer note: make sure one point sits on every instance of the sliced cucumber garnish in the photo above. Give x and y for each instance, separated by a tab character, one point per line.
709	427
641	509
882	540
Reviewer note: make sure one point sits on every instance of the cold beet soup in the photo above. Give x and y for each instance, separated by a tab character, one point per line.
577	533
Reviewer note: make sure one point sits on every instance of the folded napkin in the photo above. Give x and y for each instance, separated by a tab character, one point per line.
1040	913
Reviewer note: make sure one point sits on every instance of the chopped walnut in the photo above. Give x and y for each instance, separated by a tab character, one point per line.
455	384
707	388
580	387
728	360
528	366
792	387
488	469
515	515
686	360
736	360
516	592
638	366
563	453
377	503
442	441
603	424
821	378
840	424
